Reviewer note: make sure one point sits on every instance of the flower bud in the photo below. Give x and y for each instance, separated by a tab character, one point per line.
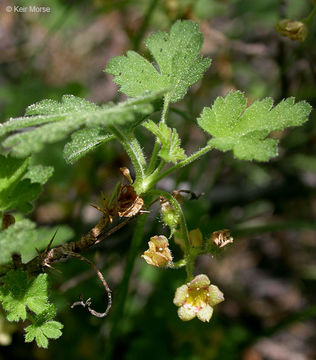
295	30
195	238
158	253
169	215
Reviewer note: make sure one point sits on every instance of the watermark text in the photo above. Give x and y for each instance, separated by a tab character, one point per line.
30	8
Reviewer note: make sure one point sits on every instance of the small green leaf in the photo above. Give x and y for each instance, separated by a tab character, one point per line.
245	130
51	121
19	293
83	141
39	174
178	59
43	328
170	150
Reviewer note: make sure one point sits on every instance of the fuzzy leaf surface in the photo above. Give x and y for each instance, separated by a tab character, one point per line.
84	141
177	58
39	173
19	293
170	150
50	121
245	130
43	327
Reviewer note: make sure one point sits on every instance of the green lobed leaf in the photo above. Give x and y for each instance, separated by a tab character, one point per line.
43	328
170	150
50	121
20	293
83	141
24	239
245	130
177	57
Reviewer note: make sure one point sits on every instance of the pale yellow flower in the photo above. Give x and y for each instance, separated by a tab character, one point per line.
197	298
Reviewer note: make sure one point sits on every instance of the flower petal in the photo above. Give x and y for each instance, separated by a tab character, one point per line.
186	314
205	313
216	296
180	295
148	259
160	241
200	281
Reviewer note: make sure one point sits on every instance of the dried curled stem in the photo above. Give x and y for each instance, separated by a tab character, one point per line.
87	303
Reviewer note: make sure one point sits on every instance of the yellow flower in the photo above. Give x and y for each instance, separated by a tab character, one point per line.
158	253
197	298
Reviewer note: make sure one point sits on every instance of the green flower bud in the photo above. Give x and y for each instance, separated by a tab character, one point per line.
169	215
295	30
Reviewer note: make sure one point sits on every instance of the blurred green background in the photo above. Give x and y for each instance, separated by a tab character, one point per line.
268	275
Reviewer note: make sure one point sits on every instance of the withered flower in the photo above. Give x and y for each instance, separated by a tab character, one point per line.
197	298
158	253
222	238
128	202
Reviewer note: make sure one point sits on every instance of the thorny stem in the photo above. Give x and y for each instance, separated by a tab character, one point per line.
61	253
123	289
189	259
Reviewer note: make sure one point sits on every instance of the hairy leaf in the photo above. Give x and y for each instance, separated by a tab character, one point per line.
170	150
43	328
39	173
245	130
177	57
24	239
19	293
83	141
50	121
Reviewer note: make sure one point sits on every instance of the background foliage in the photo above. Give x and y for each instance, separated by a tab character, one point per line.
268	275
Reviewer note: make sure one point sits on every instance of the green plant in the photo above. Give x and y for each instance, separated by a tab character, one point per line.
233	126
